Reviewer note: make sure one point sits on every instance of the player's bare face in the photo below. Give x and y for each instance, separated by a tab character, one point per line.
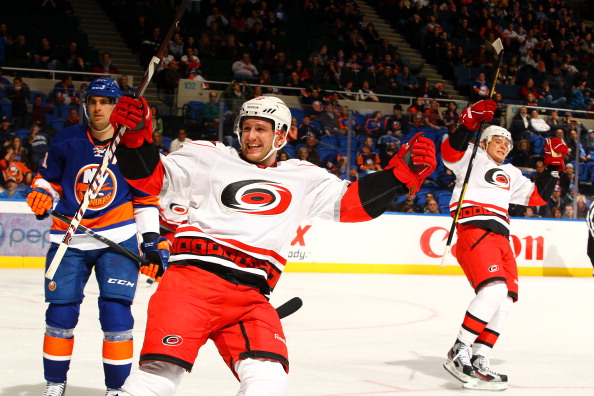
257	138
100	108
498	148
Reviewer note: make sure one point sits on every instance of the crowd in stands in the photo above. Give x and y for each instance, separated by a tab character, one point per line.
547	61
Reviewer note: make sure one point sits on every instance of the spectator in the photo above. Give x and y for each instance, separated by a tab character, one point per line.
438	91
38	142
19	94
12	190
407	81
176	46
168	80
329	121
230	48
368	160
125	88
450	115
397	123
20	50
156	120
374	126
20	153
4	84
566	179
105	65
386	81
582	206
211	112
433	116
520	125
576	148
244	69
408	205
73	118
307	129
236	93
480	87
45	54
158	140
217	16
315	71
63	91
556	201
7	133
366	94
555	122
547	98
182	137
431	207
12	168
390	148
527	88
313	155
568	212
539	125
521	156
446	180
576	99
313	101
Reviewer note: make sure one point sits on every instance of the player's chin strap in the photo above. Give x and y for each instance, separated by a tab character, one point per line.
275	149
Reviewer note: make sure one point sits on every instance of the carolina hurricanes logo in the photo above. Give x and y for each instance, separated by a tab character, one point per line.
494	268
172	340
178	209
498	178
259	197
106	192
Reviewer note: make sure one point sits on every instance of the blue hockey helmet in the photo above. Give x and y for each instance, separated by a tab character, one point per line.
103	87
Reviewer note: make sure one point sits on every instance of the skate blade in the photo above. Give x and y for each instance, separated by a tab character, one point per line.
479	384
451	368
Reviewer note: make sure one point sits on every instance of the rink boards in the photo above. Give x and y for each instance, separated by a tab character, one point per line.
393	243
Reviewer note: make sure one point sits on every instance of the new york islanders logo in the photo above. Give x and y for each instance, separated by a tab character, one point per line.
259	197
498	178
107	188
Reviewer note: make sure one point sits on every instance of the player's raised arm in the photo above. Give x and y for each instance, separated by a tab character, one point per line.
373	194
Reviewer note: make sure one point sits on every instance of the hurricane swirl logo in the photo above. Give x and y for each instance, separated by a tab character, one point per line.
259	197
172	340
178	209
498	178
107	190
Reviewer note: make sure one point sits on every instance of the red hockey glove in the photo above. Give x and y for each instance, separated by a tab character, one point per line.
134	114
555	151
414	162
155	248
481	111
40	201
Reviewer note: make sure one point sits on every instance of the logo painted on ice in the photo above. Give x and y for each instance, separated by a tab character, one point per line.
494	268
498	178
107	188
172	340
259	197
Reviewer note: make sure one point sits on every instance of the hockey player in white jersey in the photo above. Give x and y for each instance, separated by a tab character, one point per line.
243	209
483	249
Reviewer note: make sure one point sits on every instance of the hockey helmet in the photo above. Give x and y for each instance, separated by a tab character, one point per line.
270	108
494	130
103	87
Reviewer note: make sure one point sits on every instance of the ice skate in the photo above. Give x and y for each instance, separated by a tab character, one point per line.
55	389
114	392
458	363
487	379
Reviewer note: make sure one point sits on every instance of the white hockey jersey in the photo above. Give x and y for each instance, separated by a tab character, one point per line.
491	188
249	210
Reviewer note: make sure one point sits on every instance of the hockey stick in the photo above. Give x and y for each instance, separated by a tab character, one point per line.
101	238
97	180
498	47
289	307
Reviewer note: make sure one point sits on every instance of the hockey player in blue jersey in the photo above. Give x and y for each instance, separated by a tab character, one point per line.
117	212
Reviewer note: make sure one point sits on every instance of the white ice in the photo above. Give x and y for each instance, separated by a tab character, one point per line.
356	334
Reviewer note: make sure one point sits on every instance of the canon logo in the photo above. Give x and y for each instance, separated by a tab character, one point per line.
433	240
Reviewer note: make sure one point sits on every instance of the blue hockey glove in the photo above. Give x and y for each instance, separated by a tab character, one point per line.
154	248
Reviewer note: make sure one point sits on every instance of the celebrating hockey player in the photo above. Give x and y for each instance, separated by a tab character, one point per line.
243	209
483	249
117	212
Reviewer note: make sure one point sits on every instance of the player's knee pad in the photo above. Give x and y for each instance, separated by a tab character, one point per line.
261	378
115	315
154	378
493	294
62	316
